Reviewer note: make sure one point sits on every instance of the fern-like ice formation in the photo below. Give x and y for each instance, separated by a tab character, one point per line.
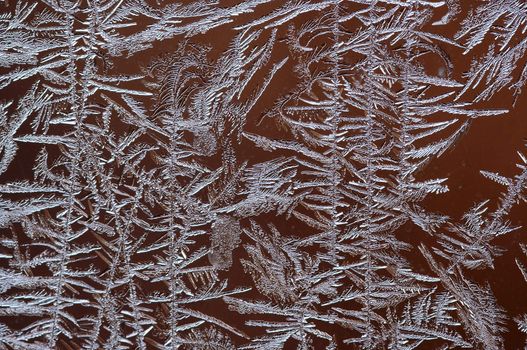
254	174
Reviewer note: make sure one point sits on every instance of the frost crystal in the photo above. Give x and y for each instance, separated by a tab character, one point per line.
261	174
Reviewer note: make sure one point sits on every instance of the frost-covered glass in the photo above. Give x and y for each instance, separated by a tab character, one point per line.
263	174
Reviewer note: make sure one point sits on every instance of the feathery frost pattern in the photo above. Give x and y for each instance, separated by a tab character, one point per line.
261	174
